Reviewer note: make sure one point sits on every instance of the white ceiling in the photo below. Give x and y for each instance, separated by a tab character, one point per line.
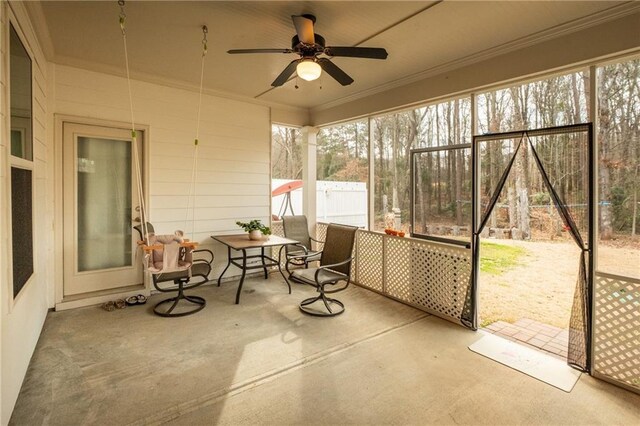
164	39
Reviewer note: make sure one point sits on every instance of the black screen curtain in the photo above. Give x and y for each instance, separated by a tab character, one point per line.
578	355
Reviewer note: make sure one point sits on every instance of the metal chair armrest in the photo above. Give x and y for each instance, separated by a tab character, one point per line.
306	250
304	256
208	252
330	267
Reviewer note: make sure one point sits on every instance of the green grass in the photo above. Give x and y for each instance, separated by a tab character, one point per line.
496	259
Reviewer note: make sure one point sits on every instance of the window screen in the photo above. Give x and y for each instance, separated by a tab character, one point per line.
22	227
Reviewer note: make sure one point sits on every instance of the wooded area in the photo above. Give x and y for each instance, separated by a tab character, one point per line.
343	152
286	153
619	148
443	179
441	187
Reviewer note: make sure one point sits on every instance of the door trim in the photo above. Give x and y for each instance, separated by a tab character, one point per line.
56	295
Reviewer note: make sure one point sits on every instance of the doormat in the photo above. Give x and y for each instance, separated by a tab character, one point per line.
531	362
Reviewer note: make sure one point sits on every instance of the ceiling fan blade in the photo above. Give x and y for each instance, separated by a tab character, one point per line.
234	51
304	28
284	75
335	72
356	52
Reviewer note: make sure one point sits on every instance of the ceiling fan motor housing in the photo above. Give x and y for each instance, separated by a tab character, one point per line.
308	49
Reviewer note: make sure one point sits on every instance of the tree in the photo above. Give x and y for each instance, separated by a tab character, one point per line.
287	153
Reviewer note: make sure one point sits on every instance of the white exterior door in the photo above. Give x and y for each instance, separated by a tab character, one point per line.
101	206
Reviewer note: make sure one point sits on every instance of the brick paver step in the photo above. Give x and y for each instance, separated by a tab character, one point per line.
538	335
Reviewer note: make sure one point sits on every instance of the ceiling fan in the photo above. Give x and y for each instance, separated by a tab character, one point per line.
309	46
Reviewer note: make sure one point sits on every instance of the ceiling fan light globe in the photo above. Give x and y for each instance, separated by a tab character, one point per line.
308	70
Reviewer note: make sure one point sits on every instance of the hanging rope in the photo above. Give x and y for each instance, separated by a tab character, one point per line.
194	168
136	157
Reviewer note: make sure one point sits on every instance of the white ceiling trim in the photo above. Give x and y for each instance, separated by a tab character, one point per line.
542	36
41	28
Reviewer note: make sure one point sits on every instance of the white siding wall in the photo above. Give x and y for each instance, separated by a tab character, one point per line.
233	181
23	318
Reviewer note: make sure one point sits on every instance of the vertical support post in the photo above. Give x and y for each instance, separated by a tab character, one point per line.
593	118
412	192
475	212
371	183
594	213
309	145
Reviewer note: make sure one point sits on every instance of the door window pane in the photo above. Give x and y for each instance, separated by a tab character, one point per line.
103	203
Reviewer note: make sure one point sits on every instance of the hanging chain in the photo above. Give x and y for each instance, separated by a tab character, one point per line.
136	158
205	30
194	168
123	18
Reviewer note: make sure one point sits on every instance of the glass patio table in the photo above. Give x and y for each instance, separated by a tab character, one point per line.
242	243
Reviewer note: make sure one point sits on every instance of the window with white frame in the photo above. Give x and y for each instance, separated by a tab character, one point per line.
20	82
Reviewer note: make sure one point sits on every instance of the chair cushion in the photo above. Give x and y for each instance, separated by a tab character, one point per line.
308	276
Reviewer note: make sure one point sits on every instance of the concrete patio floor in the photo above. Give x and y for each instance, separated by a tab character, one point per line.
264	362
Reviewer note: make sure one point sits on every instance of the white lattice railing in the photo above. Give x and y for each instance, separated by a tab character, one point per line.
277	229
434	277
616	333
430	276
